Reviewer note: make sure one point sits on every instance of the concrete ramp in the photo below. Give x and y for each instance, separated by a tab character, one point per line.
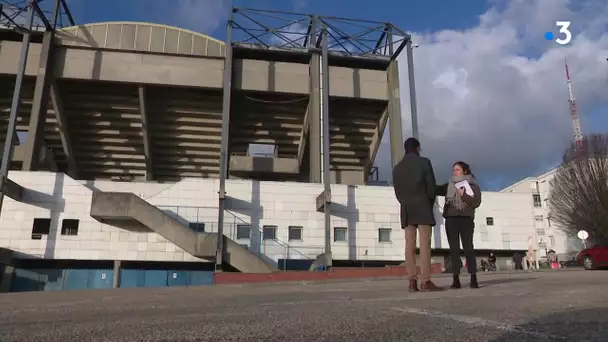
125	206
13	190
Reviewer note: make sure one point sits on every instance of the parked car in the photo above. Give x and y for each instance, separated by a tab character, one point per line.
594	257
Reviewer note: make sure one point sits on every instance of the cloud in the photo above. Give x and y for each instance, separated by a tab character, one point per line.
292	35
494	95
300	5
204	16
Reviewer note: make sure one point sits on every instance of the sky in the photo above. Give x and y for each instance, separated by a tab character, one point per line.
490	89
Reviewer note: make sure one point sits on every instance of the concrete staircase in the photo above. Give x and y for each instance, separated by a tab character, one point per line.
121	207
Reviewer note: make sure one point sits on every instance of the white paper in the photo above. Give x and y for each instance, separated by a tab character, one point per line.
467	187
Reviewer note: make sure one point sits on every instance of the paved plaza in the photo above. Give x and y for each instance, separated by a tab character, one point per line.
542	306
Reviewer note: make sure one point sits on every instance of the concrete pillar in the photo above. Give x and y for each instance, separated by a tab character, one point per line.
394	114
33	146
5	278
314	130
116	278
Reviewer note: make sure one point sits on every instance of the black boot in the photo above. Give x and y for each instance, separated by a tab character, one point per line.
474	284
455	283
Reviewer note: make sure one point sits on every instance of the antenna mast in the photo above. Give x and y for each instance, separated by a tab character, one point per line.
576	122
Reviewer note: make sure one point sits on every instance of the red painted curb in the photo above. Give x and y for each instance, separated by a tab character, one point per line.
334	273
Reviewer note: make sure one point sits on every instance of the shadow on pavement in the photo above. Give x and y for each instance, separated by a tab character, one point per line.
575	325
490	282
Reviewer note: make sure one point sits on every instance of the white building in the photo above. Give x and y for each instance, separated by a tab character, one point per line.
55	222
547	235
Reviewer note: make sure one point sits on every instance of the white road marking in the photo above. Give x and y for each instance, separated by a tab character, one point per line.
480	322
417	296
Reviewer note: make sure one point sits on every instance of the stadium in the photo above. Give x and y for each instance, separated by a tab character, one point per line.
133	147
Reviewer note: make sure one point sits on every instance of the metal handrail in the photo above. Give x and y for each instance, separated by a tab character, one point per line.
211	226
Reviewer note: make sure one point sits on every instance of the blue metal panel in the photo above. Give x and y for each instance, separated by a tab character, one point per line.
155	278
27	280
54	279
200	278
297	264
100	279
178	278
132	278
76	279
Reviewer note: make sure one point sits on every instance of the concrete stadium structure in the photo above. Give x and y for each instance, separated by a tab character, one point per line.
138	144
142	102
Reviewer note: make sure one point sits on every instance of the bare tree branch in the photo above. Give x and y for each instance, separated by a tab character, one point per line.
579	191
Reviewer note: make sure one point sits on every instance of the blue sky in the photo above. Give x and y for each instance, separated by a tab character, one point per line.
418	16
490	88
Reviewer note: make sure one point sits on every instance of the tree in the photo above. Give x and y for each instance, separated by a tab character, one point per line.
579	191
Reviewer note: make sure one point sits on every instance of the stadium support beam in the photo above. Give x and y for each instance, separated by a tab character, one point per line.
314	110
412	86
7	155
394	108
226	104
35	136
143	111
376	140
62	124
394	114
326	141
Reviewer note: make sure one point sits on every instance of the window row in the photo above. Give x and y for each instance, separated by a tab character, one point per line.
243	232
42	226
341	235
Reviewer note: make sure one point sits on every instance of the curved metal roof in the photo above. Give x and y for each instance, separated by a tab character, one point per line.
139	36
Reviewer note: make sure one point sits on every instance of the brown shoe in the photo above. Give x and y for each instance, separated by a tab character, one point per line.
428	286
413	285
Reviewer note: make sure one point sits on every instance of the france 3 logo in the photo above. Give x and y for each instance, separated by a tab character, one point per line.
564	35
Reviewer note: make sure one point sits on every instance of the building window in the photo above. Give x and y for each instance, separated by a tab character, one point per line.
262	150
269	232
552	240
243	231
384	235
537	201
549	222
41	226
69	227
197	226
485	237
340	234
540	232
295	233
489	221
538	218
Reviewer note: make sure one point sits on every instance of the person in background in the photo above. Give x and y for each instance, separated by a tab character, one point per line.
459	214
414	184
517	260
492	260
530	258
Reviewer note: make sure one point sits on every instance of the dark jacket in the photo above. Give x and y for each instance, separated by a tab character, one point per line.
472	202
414	183
492	258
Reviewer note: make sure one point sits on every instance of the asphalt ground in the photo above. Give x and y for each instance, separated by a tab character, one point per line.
542	306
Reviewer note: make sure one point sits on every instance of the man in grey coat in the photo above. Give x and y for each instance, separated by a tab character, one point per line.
415	187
